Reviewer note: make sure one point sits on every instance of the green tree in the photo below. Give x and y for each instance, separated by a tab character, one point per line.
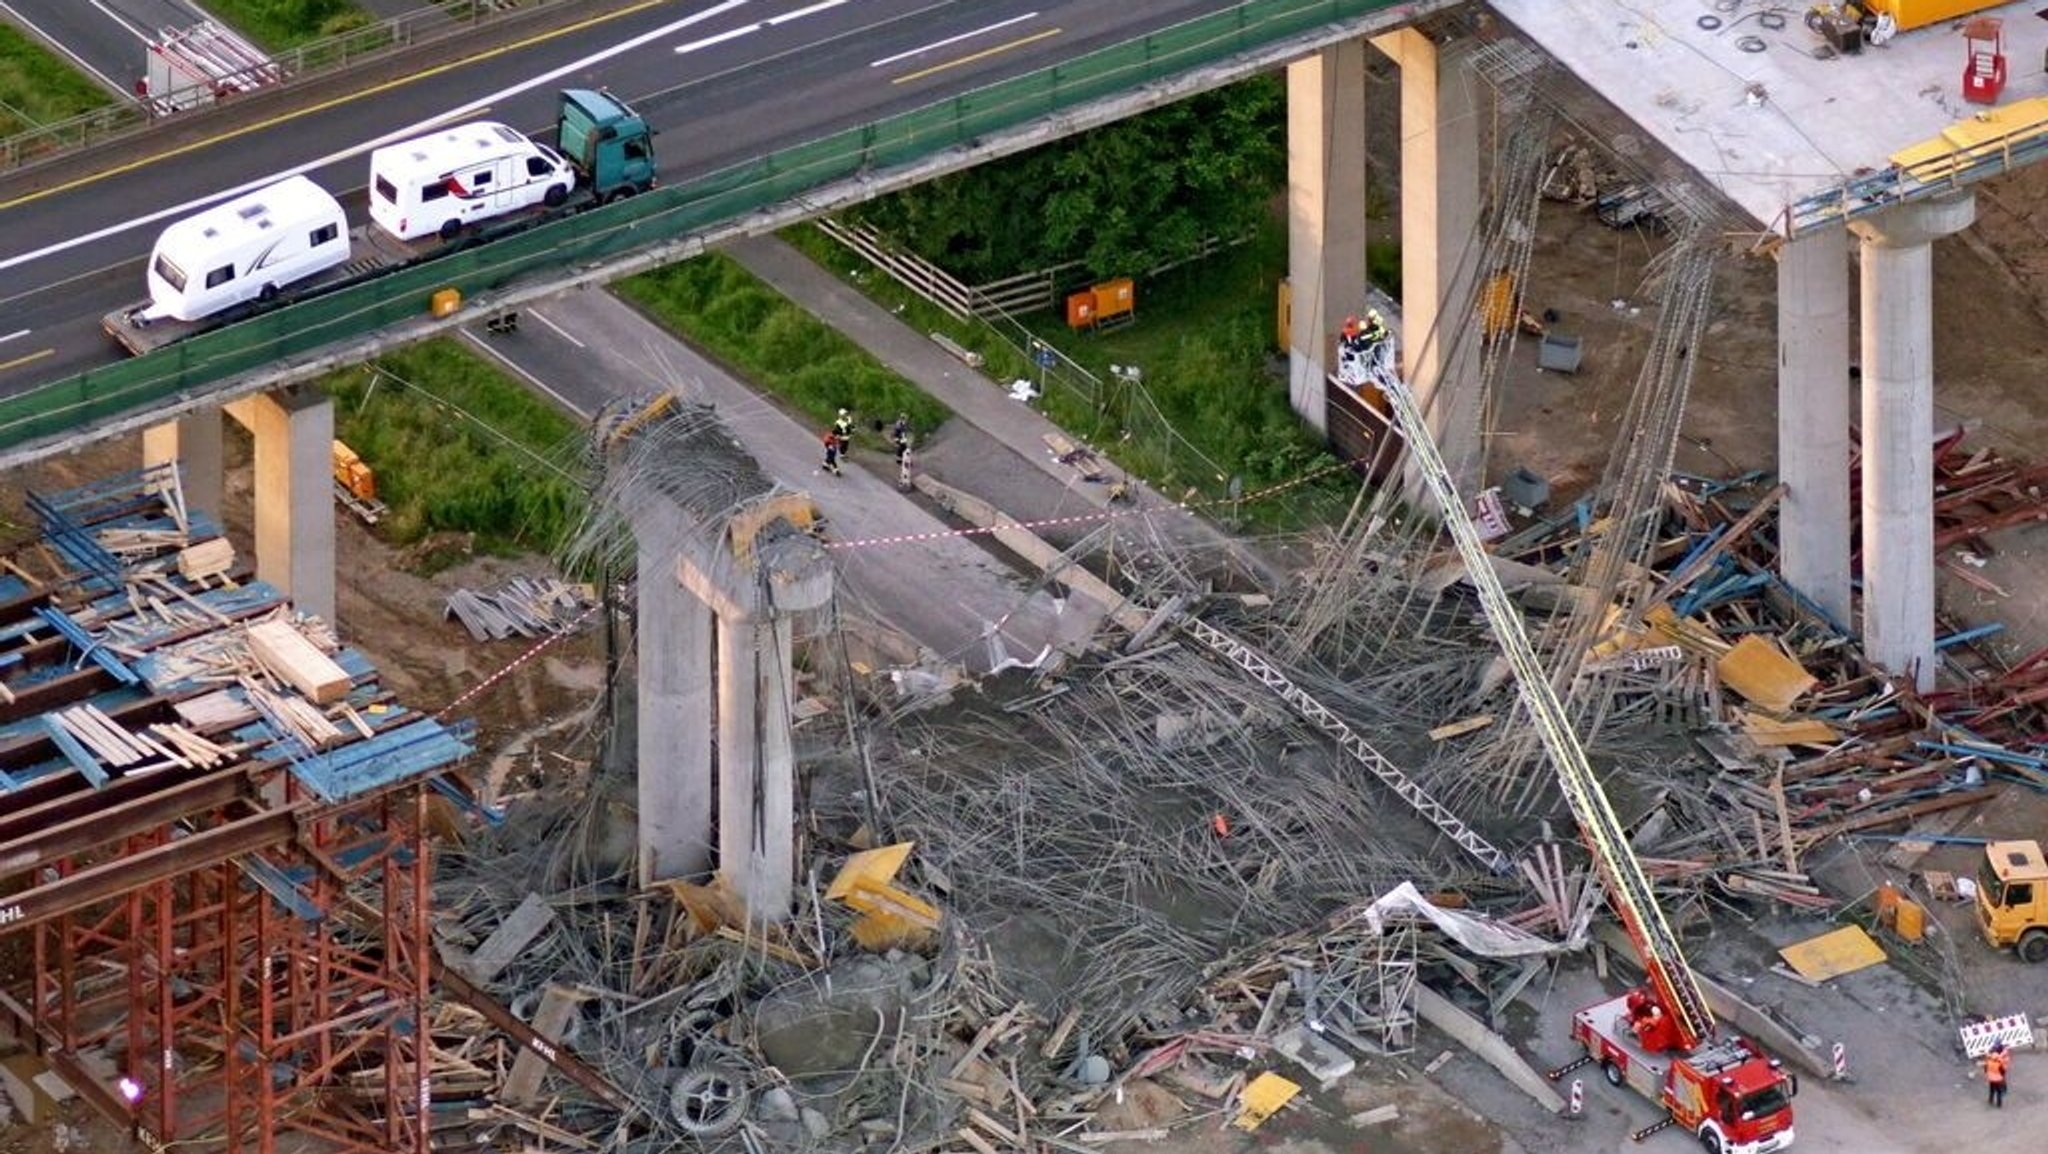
1123	198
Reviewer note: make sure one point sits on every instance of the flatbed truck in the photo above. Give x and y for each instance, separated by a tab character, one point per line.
608	144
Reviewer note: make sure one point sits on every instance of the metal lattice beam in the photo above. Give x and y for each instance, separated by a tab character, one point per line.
1404	787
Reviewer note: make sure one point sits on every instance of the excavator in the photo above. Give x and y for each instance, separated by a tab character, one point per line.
1659	1039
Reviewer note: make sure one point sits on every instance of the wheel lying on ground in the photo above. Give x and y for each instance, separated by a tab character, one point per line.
709	1101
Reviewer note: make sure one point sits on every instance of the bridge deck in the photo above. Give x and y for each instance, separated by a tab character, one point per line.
1823	120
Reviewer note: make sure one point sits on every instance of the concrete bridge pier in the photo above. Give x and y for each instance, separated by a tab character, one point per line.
1897	329
757	764
294	492
1325	216
1440	246
674	735
194	441
1440	209
294	487
714	644
1814	522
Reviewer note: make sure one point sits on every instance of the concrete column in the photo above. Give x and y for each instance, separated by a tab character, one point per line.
1897	328
1440	248
194	441
672	651
1325	214
294	431
1814	525
756	768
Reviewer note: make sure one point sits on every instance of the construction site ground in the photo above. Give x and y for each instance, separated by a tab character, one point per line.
1910	1089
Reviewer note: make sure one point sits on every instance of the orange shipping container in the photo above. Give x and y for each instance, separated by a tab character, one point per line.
1114	298
1081	309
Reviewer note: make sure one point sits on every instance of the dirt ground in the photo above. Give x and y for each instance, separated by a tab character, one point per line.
386	607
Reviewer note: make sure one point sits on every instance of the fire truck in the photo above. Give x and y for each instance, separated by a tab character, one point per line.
1660	1039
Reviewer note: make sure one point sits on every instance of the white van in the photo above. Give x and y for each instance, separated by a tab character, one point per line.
248	248
436	184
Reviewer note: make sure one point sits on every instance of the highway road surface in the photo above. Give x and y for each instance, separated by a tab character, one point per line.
103	39
722	81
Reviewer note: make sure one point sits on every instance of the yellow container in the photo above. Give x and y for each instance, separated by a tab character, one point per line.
1911	14
445	301
1912	920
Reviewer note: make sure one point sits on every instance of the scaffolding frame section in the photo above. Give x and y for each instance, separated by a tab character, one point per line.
225	885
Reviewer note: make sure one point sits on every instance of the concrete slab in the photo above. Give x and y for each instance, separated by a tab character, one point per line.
1686	74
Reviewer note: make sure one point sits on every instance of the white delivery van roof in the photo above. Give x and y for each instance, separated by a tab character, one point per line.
437	154
250	216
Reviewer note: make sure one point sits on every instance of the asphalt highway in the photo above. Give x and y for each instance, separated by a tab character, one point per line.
722	81
104	39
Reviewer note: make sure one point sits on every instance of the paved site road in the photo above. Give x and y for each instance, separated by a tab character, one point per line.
102	38
948	592
1908	1095
978	400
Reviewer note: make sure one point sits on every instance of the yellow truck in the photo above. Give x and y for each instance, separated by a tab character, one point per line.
2012	898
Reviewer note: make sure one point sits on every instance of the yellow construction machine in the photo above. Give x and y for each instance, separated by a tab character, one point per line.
2012	898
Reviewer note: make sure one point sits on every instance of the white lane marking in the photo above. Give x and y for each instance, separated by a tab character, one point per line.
888	60
13	335
540	81
800	13
536	382
47	39
536	314
117	18
772	21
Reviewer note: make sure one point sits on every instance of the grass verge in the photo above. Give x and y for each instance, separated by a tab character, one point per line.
460	447
37	87
766	338
1204	339
280	25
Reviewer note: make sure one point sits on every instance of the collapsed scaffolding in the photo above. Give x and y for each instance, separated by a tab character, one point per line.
213	829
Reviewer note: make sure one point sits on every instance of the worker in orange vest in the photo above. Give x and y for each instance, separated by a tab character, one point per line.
1995	1064
833	448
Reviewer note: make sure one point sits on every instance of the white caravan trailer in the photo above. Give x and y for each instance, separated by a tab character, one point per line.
251	247
436	184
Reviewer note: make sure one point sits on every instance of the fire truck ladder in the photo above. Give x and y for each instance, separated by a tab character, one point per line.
1249	660
1669	975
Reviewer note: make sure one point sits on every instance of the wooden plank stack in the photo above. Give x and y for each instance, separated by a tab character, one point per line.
285	652
207	559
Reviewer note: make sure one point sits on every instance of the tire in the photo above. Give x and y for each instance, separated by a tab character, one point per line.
2033	946
1710	1142
557	195
1611	1072
267	294
618	194
450	229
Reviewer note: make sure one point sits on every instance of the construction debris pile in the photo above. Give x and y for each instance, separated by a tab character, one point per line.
1796	738
521	607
